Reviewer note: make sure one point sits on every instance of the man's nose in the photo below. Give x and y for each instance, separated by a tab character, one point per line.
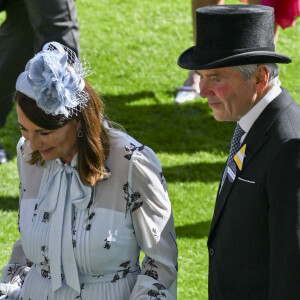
205	89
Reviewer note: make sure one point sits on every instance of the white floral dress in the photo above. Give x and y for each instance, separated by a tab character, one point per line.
79	242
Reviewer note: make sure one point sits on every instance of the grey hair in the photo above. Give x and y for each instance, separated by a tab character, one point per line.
248	70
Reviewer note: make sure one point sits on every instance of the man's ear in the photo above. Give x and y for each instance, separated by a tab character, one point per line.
262	77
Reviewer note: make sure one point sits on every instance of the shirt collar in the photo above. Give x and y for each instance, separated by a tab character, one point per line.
249	118
73	163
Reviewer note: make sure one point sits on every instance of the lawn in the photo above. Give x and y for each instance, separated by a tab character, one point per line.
133	47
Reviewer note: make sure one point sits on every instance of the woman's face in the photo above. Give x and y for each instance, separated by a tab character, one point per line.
58	143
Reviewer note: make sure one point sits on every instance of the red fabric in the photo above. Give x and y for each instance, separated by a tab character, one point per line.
286	11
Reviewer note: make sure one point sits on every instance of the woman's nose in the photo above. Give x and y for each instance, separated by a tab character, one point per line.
34	142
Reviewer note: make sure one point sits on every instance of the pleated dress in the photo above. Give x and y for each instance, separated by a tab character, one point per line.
79	242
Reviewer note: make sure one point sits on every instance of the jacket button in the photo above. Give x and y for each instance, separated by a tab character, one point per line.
211	251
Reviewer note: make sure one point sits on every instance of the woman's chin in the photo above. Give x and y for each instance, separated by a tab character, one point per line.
48	154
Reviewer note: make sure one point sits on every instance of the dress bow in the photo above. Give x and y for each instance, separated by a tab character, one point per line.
63	190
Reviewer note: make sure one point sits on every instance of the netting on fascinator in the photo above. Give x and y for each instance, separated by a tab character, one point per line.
54	79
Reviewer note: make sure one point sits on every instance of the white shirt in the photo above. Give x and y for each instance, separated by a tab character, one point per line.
249	118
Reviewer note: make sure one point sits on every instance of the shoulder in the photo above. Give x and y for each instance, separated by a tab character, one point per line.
23	149
287	102
287	125
281	117
122	144
125	148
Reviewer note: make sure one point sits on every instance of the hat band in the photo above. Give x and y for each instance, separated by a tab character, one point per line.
204	56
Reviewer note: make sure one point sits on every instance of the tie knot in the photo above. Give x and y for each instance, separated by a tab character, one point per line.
235	142
239	132
234	148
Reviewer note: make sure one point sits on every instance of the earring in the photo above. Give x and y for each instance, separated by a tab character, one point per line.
80	133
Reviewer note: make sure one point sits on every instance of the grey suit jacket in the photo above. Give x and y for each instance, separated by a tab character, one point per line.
254	239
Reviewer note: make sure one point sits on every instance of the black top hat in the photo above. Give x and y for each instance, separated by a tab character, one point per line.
232	35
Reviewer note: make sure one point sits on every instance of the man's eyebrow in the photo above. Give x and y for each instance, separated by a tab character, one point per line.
211	74
214	74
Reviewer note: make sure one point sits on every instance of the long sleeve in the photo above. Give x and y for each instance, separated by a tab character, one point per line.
151	212
284	220
14	273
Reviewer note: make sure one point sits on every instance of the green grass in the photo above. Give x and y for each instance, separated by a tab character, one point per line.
133	47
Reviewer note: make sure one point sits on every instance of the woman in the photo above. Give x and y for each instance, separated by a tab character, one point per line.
285	13
90	196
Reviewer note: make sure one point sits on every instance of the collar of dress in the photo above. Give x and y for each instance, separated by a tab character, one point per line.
58	196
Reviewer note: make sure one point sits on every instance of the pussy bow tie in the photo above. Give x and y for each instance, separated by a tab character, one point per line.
63	190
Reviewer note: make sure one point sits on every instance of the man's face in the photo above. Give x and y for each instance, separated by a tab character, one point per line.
228	94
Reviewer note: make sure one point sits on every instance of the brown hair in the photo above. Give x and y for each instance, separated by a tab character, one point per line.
93	146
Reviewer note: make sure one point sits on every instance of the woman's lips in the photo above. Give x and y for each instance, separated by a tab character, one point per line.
46	151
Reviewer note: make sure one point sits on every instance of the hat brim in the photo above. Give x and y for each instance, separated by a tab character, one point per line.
188	60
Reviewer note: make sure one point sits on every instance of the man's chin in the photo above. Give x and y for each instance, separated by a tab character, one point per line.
219	118
223	118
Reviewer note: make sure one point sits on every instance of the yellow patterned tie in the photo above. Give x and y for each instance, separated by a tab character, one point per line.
234	148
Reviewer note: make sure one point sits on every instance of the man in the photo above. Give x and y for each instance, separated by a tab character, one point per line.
190	88
29	25
254	239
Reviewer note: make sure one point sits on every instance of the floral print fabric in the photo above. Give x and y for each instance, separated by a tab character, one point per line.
128	212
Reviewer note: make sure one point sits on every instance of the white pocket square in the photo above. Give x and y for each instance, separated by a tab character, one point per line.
245	180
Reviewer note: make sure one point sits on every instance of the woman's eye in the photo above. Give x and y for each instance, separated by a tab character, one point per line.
25	134
44	133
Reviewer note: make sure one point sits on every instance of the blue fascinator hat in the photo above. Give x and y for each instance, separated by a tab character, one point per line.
54	79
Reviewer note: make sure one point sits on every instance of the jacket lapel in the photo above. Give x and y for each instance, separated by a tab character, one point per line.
255	139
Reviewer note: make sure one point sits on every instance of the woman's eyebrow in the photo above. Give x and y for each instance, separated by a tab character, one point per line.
24	128
21	125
